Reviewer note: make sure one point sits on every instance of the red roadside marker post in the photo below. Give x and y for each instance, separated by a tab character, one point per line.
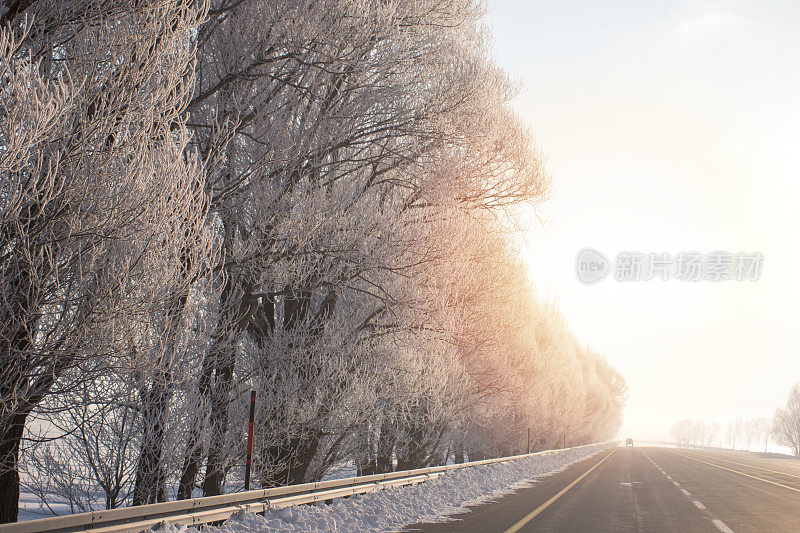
250	440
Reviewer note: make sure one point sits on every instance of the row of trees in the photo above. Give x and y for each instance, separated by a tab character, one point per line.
307	198
784	429
752	434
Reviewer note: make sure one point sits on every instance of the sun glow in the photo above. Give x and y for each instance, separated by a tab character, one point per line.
668	129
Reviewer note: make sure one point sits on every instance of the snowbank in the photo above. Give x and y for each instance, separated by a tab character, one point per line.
392	509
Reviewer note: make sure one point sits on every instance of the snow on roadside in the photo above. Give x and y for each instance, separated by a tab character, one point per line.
393	508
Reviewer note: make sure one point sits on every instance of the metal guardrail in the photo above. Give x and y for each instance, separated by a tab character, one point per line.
198	511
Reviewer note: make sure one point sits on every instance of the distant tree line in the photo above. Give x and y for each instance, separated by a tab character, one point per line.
750	434
308	198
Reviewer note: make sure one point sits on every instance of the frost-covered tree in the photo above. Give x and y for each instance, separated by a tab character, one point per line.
101	206
786	422
758	430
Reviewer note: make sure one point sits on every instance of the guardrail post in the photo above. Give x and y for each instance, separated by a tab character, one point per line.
250	440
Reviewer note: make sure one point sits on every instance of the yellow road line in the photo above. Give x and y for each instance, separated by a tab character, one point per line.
519	525
752	466
740	473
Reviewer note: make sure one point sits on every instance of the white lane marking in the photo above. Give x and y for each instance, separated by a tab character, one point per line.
750	466
717	522
740	473
527	518
721	526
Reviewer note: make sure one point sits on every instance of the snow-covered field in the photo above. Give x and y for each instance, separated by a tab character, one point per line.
392	509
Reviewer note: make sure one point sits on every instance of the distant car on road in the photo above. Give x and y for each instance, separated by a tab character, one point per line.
629	442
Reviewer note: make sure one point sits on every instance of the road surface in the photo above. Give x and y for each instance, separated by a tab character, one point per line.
649	489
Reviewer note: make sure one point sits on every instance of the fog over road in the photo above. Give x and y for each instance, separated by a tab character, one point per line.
649	489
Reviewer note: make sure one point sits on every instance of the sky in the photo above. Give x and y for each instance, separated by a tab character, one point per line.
668	127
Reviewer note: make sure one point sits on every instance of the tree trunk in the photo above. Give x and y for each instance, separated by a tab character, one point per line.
206	385
386	440
458	452
238	301
305	449
149	468
194	444
414	449
365	455
150	484
10	440
294	458
220	402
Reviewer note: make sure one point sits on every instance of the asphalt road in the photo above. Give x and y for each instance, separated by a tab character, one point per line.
649	489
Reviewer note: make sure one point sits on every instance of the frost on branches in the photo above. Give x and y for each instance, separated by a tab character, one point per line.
311	199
